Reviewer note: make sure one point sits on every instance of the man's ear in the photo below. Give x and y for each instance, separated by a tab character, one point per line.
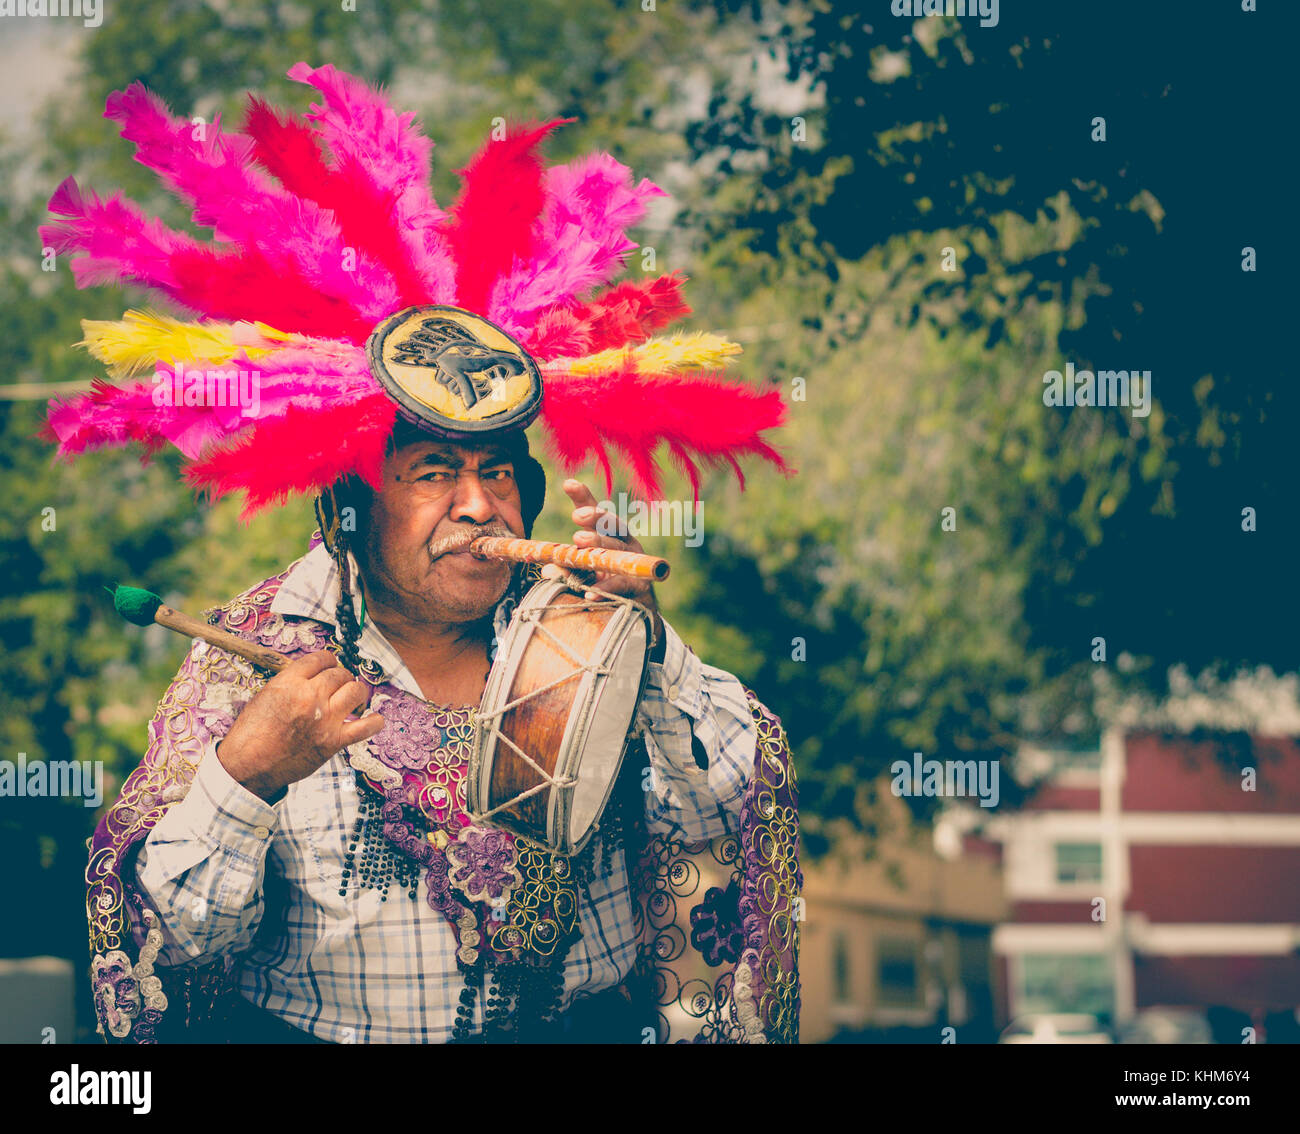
532	489
354	499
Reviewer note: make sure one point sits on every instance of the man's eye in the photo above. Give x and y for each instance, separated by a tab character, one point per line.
440	474
499	474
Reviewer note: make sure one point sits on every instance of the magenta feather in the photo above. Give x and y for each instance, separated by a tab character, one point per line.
214	172
313	376
121	243
581	236
365	211
364	131
242	206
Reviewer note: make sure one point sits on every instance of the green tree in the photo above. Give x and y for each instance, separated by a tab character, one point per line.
924	385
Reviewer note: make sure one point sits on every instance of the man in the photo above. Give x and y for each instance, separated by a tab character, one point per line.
348	967
239	888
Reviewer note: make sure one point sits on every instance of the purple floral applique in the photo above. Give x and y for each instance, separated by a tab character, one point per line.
483	864
440	895
411	735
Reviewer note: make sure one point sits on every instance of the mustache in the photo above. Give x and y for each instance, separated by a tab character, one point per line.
461	538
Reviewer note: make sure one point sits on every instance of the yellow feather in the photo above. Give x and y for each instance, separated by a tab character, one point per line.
697	351
141	339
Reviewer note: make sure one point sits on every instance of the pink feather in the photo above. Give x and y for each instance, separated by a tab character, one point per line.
389	150
121	243
316	376
211	171
581	237
243	206
365	211
125	246
699	418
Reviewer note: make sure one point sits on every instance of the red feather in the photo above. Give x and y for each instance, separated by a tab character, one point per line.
244	286
491	223
288	149
304	451
699	418
627	313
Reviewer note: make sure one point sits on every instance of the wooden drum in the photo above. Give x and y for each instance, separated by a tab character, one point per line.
556	715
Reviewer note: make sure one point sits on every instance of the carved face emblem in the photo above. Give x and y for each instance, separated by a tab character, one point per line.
454	371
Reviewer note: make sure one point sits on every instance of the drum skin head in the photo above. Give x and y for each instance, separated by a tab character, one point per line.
596	738
453	373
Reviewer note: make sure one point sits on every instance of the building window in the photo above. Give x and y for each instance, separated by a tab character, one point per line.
1078	862
840	969
1064	982
898	970
1078	759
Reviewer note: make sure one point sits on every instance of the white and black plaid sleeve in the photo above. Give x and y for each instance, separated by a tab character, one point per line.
700	738
203	863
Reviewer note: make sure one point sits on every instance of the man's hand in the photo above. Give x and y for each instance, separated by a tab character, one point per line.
295	723
591	520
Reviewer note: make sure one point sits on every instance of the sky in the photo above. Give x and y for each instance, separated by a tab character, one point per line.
36	58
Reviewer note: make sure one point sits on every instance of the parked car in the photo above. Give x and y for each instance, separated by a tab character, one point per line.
1167	1025
1055	1028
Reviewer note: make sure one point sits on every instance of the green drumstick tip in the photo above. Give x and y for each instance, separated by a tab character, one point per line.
135	604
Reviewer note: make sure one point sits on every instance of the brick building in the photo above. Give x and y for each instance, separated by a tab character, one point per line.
1156	870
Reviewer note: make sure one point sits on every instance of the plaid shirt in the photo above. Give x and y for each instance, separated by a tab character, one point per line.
353	969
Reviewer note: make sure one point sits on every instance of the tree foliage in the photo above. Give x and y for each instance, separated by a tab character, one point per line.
924	386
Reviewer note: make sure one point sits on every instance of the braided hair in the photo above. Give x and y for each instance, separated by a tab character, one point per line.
330	506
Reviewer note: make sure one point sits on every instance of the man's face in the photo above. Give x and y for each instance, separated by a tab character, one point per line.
436	496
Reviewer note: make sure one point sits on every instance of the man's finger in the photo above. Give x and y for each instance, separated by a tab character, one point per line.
353	732
584	538
349	697
330	681
310	665
579	493
600	520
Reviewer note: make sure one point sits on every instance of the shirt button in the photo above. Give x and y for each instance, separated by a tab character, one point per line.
261	832
672	692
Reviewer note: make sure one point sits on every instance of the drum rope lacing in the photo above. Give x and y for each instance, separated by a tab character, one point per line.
582	665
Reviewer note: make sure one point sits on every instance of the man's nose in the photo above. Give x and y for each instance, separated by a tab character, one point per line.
472	504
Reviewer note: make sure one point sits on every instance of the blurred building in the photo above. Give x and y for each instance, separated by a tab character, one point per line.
897	947
1156	870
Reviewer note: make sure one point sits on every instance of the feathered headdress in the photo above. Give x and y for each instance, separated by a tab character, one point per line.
325	230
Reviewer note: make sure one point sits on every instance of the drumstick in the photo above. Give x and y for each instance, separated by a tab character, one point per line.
630	563
145	608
